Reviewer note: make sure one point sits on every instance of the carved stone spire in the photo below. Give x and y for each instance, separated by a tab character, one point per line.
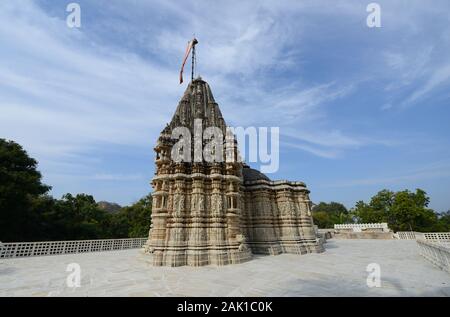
198	103
220	212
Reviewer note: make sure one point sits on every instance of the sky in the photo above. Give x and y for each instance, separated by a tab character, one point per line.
359	109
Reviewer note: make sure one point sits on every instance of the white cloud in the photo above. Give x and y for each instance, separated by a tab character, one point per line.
324	153
416	62
64	93
60	96
69	94
435	170
116	177
439	77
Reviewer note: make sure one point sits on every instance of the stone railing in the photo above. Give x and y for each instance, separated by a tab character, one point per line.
428	236
437	236
405	235
28	249
361	226
435	252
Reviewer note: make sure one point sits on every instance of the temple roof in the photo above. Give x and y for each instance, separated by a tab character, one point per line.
251	174
198	103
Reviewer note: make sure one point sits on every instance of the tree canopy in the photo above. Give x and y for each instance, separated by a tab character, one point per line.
28	213
134	221
326	215
403	211
20	185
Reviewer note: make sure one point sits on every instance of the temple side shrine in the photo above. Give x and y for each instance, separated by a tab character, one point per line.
221	212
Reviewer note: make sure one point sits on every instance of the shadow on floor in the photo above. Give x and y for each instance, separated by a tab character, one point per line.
330	245
6	270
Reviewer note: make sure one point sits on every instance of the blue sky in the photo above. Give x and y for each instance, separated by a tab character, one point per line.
359	109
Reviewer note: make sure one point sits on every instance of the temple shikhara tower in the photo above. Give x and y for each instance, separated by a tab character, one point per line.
221	212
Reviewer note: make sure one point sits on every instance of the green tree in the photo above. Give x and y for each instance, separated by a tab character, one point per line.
134	221
28	213
363	213
410	212
77	217
20	186
444	221
403	211
326	215
322	220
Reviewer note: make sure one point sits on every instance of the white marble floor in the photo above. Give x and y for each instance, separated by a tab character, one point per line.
340	271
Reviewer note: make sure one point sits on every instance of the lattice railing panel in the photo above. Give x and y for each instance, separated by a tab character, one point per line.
428	236
435	252
27	249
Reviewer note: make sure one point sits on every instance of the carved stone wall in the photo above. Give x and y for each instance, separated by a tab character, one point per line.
277	217
192	222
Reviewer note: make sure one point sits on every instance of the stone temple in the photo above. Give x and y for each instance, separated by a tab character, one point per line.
221	212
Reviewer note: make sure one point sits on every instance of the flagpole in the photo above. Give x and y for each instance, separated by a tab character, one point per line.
190	49
193	62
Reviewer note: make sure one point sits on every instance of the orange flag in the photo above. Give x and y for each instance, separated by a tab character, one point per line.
189	47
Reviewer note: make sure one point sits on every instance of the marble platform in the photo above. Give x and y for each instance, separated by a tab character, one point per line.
340	271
